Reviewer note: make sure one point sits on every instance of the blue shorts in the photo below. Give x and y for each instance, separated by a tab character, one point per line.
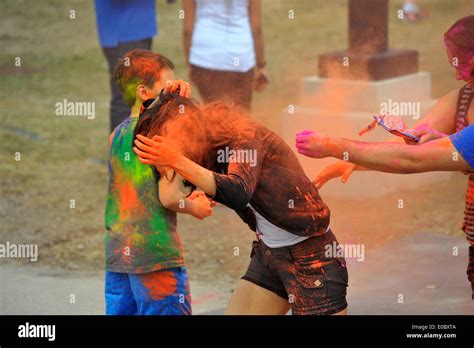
164	292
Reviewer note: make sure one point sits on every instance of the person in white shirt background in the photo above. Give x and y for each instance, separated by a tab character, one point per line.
223	43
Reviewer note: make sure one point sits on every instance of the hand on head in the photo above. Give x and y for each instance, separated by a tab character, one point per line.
157	151
184	88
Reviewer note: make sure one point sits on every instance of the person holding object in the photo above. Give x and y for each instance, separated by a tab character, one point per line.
436	155
223	43
451	114
453	153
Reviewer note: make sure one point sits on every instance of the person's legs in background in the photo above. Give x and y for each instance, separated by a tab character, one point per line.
240	89
118	109
206	81
225	86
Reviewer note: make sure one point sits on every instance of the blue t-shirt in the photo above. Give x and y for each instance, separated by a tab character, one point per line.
125	20
463	141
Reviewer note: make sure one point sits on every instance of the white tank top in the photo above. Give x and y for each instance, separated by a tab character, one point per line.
274	236
222	36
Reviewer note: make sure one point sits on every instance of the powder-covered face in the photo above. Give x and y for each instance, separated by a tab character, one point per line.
462	64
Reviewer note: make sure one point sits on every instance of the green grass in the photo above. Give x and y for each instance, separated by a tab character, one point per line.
69	64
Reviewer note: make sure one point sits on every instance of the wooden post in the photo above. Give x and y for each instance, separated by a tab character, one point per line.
368	56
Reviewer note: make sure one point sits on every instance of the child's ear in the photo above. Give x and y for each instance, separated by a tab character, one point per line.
166	172
143	92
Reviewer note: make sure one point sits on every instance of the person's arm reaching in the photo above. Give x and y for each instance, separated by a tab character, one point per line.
437	122
158	152
234	189
436	155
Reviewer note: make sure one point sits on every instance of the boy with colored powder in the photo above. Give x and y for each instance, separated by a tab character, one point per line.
145	273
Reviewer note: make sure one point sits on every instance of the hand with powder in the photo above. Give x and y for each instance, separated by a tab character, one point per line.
201	205
313	144
157	151
171	86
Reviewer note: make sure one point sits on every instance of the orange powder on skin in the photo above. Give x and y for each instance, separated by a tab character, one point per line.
160	284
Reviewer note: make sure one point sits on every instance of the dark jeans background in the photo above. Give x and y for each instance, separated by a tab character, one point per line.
118	109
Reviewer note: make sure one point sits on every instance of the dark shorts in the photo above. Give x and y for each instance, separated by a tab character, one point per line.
313	283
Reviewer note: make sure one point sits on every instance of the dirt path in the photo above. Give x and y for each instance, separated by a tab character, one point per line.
42	290
420	267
